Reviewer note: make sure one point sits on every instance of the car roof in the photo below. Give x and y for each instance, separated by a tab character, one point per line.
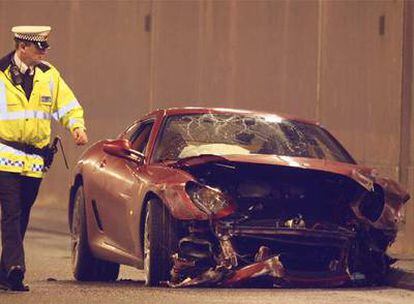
202	110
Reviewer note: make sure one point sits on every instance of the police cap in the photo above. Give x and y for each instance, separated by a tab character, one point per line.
32	33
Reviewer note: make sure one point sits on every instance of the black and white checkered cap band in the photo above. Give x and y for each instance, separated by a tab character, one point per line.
31	37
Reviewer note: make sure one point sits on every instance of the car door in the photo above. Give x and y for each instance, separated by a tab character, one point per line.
118	181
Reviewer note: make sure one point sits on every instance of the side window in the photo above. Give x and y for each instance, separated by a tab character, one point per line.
130	132
139	139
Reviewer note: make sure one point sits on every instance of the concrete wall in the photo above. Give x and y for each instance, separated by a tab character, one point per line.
340	62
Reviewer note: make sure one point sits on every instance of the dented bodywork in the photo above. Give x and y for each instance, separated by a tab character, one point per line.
312	224
254	198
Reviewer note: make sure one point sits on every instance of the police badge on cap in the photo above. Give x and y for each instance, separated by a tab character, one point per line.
35	34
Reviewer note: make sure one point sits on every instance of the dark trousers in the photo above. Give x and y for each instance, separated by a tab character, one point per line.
17	196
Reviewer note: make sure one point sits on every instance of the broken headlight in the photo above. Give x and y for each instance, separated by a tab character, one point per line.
210	200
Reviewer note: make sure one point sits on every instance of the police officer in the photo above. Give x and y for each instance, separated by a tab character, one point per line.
32	92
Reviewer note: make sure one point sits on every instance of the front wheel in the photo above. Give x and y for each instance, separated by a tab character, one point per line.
160	242
85	266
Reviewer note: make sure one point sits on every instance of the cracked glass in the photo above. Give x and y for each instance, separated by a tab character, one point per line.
192	135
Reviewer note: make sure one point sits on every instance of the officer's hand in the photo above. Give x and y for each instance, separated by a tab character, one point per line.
79	136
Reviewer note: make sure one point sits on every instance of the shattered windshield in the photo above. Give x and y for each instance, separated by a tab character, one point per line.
224	134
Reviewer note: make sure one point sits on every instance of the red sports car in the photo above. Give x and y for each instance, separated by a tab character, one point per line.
218	197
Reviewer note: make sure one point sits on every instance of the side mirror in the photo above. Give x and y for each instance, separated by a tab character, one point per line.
122	148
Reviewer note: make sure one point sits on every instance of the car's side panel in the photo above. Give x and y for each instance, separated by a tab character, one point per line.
100	244
111	201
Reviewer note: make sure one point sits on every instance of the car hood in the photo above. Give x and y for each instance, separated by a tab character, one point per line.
362	175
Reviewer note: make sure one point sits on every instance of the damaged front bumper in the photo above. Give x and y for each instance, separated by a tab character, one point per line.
261	251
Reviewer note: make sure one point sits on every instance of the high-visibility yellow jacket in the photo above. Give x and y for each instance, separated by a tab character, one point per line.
29	121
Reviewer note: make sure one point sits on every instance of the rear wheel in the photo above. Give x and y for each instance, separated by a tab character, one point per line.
160	242
85	266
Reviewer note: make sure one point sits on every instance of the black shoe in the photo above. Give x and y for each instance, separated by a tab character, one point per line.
15	279
20	287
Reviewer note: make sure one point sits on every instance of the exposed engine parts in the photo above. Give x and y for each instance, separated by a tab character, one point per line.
289	228
293	255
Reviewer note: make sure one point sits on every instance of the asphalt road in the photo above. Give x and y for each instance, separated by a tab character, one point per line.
50	279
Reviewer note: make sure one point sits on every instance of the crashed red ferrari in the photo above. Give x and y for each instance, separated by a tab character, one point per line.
216	197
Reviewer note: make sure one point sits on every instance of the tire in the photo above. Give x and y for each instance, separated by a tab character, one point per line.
85	266
160	242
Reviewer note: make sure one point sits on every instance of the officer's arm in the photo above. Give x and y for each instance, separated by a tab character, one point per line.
69	112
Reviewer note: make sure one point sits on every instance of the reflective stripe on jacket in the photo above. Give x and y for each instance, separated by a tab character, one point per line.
29	121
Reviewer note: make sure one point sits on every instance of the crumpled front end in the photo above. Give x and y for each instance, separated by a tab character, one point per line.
284	226
261	253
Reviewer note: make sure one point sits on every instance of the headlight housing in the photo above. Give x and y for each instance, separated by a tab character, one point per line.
210	200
